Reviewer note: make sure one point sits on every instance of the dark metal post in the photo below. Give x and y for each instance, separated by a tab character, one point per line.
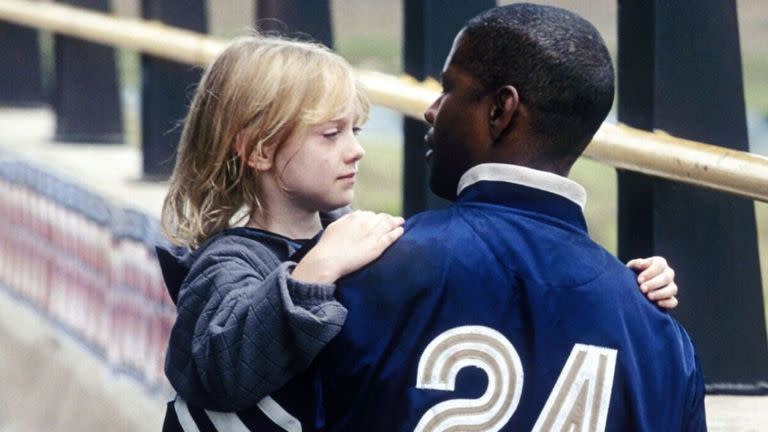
167	87
303	19
635	106
680	71
86	96
20	67
430	27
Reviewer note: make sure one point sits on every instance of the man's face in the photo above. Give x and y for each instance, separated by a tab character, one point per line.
459	119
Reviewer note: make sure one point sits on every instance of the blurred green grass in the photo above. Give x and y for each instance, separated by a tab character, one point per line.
380	178
756	83
372	51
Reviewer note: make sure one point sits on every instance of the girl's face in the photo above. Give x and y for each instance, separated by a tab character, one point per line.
319	167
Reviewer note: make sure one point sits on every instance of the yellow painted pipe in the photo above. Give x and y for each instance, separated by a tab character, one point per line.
146	36
662	155
652	153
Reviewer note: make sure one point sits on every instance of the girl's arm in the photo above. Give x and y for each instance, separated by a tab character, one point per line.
657	280
247	324
245	327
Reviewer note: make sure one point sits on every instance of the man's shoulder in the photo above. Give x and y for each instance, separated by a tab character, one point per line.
432	228
430	220
428	235
409	266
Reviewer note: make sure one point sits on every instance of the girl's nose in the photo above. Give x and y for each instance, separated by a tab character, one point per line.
356	151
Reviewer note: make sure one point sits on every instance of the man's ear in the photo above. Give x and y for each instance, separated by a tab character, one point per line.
504	106
260	158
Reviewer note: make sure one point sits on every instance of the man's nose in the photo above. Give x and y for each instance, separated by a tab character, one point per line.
429	114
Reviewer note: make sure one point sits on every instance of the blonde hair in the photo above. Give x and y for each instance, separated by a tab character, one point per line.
267	89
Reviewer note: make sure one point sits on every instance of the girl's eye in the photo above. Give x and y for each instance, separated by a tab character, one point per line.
356	130
331	133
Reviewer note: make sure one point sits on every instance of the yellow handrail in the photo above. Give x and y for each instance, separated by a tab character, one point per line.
652	153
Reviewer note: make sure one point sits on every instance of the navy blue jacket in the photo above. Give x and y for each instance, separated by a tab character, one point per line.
501	313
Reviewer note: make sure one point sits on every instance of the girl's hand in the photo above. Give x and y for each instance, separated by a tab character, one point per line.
657	280
348	244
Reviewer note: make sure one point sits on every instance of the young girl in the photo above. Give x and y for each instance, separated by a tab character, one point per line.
270	141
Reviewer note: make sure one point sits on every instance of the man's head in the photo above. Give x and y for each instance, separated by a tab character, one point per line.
523	84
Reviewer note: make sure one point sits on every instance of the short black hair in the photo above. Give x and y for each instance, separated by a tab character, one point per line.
557	61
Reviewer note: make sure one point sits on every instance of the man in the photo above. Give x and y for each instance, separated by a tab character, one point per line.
499	312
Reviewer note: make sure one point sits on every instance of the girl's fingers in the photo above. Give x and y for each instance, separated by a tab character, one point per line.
667	278
390	237
669	303
386	222
666	292
639	264
390	229
655	267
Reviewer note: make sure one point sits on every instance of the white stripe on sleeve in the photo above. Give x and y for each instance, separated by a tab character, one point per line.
280	416
226	421
185	418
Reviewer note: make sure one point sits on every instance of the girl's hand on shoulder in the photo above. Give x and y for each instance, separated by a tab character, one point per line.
657	280
348	244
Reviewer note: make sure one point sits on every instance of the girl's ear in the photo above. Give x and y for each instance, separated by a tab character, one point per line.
259	159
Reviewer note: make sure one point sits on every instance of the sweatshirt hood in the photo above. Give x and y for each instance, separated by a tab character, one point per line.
175	263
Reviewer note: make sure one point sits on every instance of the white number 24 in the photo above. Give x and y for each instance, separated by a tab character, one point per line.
579	401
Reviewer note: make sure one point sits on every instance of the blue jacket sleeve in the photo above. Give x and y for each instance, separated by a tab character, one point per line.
696	419
245	327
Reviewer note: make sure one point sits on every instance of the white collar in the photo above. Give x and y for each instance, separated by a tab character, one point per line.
543	180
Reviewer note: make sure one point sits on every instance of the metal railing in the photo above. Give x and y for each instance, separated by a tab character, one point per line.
653	153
